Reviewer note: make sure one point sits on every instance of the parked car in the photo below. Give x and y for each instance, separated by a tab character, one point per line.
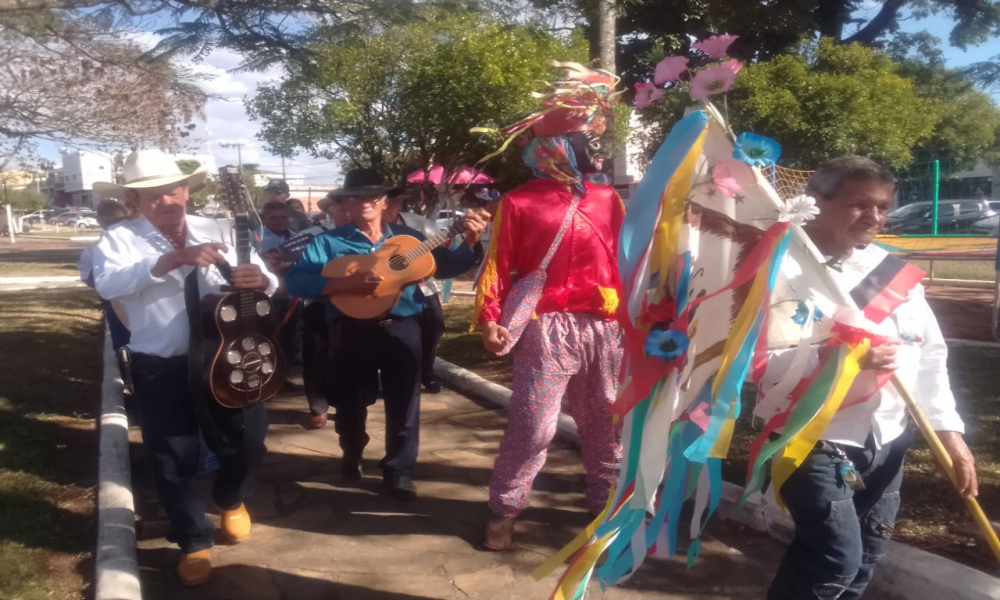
954	216
38	216
74	214
83	221
446	217
990	225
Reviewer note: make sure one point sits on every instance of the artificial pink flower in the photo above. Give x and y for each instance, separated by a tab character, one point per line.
711	81
646	94
670	69
733	64
715	46
724	181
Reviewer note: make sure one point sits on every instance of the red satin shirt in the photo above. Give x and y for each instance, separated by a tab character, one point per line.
582	276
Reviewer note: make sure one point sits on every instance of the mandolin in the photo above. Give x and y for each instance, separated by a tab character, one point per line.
401	261
242	363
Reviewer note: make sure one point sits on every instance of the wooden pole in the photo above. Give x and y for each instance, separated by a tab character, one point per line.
943	459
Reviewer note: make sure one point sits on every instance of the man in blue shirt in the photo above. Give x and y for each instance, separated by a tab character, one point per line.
390	345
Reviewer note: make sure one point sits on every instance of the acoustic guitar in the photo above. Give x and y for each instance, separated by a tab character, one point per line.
401	261
242	363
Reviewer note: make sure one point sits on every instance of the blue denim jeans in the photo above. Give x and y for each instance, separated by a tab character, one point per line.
840	533
172	428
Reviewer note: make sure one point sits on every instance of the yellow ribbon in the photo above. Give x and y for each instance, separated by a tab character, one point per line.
802	444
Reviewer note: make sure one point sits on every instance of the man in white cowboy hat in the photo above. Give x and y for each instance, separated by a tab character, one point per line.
147	263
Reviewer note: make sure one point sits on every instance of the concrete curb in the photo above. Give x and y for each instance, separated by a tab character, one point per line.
474	386
72	238
117	566
905	573
35	280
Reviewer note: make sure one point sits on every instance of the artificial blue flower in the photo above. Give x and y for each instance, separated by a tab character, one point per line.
802	311
666	343
756	150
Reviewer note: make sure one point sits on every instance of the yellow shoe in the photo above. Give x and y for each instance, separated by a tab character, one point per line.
195	568
236	524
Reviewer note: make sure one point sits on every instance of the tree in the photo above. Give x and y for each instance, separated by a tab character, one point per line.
647	28
206	194
24	200
969	126
406	96
78	81
829	101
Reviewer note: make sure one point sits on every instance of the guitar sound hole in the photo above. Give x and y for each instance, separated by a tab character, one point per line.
263	308
233	357
264	348
236	377
266	368
247	343
398	263
227	313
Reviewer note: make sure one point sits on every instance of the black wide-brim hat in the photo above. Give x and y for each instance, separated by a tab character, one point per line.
364	182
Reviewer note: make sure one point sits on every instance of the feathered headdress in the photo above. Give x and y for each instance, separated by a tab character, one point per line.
581	100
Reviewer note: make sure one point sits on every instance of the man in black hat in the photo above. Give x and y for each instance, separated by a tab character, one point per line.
391	345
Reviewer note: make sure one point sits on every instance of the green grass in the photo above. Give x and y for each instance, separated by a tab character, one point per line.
50	371
64	232
25	259
465	348
980	270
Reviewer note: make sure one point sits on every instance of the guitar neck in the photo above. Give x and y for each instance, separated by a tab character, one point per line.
241	226
433	242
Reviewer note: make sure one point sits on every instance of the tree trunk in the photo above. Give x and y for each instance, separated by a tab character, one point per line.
607	39
879	23
831	16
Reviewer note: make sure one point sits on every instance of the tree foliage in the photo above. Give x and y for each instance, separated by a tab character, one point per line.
24	199
968	128
207	193
827	102
406	96
75	80
648	28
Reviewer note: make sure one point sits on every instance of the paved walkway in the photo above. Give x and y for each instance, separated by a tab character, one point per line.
318	537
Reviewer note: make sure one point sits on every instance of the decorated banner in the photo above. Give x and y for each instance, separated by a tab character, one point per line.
706	250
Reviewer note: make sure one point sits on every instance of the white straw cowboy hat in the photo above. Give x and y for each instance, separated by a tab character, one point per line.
146	169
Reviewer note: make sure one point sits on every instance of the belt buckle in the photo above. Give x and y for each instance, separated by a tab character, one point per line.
385	322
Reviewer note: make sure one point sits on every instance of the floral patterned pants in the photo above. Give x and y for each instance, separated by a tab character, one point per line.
573	354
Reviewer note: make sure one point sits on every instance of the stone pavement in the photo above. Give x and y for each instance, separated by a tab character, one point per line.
319	537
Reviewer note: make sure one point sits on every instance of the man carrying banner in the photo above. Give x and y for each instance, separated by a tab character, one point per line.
553	254
845	495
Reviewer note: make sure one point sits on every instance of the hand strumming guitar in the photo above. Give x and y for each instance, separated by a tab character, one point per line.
247	276
363	282
202	255
474	225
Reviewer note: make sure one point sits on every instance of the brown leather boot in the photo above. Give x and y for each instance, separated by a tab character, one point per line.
195	568
499	534
317	421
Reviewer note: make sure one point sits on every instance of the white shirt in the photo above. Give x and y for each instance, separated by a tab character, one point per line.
155	306
922	360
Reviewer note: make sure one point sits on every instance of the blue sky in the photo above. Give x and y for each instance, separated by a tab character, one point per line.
227	121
